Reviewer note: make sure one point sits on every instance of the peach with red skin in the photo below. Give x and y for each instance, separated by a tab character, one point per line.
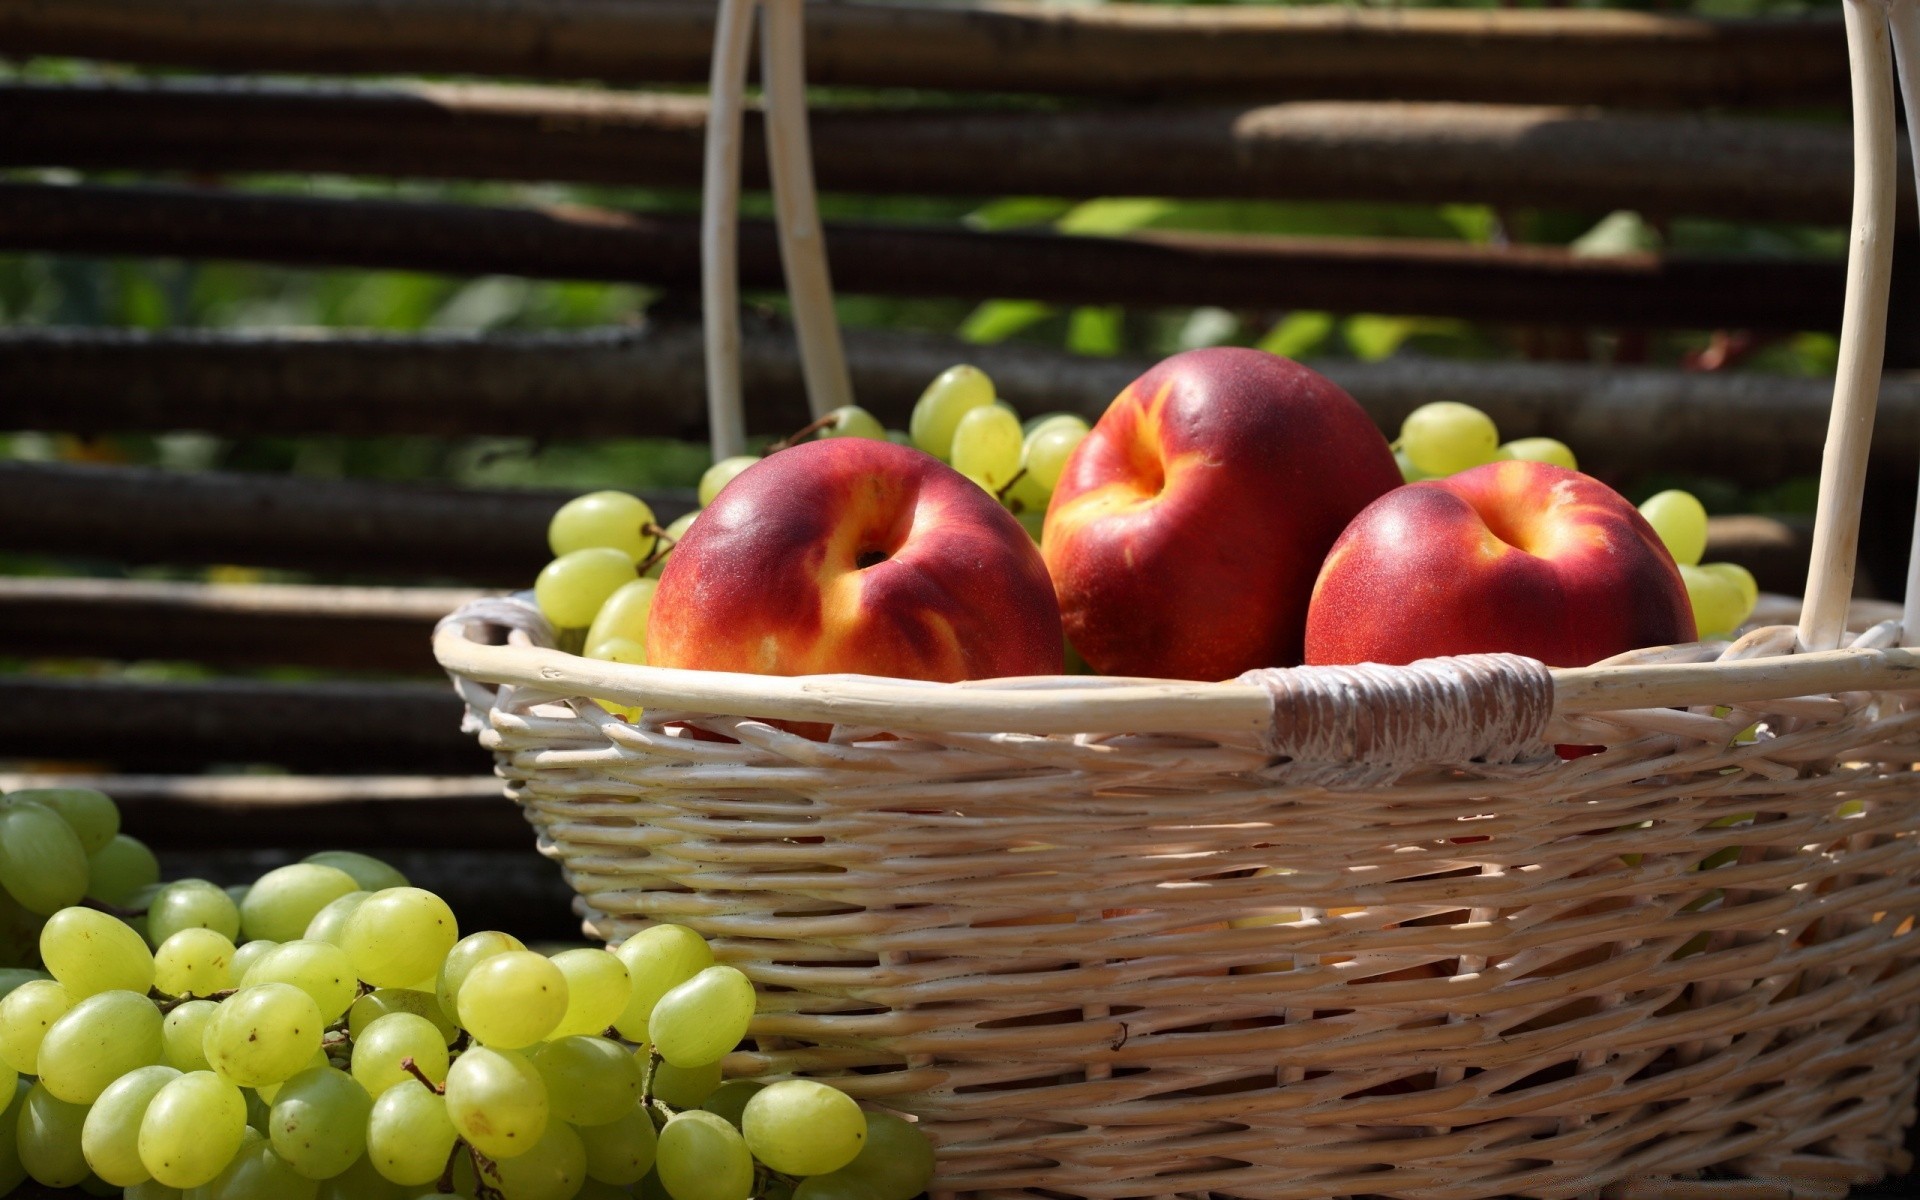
859	556
1187	528
1521	557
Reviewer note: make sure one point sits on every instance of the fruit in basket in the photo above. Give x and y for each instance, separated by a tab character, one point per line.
720	474
1187	527
953	394
986	446
1540	449
611	519
853	555
1446	437
571	589
1513	556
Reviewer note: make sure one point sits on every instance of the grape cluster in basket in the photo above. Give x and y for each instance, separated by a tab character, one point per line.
327	1033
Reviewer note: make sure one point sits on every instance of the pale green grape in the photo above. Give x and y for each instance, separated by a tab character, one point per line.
683	1087
497	1101
319	1122
409	1134
1048	448
372	874
192	904
331	922
953	394
981	482
93	816
399	936
269	1092
1681	522
701	1157
192	1128
376	1004
8	1077
614	520
571	588
1742	579
625	613
553	1170
597	991
720	474
320	969
1542	450
1027	498
676	530
264	1034
363	1181
703	1018
850	420
1718	605
13	977
658	959
25	1016
110	1135
803	1127
1046	420
99	1039
153	1189
183	1035
513	1000
895	1162
590	1080
389	1041
49	1130
193	962
620	1151
986	445
120	868
1446	436
42	863
89	952
248	953
258	1173
729	1100
12	1173
836	1185
258	1112
466	954
1409	472
283	902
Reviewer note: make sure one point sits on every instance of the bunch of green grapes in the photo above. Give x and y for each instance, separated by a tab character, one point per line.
1723	594
1446	437
59	847
961	420
327	1034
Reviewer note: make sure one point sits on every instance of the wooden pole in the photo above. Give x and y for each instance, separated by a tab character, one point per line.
719	228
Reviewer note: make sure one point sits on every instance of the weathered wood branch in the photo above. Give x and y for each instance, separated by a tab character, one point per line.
1561	157
998	45
1529	284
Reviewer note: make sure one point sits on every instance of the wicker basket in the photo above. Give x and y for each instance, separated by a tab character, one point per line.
1314	933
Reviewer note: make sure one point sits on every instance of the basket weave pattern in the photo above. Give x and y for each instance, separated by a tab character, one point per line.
1120	964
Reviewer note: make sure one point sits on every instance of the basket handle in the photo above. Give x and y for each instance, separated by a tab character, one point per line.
1904	17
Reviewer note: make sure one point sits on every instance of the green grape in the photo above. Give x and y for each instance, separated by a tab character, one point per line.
720	474
192	904
803	1127
1681	522
267	1093
319	1122
613	520
388	1042
729	1100
513	1000
850	420
153	1189
320	969
99	1039
264	1034
376	1004
283	902
701	1157
258	1173
399	936
834	1186
193	962
25	1016
1447	436
89	952
49	1131
192	1128
676	530
248	953
363	1181
13	977
571	588
981	482
42	864
110	1135
183	1035
953	394
658	959
93	816
1742	579
620	1151
497	1101
1408	472
986	445
683	1087
553	1170
597	991
590	1080
466	954
331	922
119	869
238	892
12	1101
409	1134
372	874
1718	605
1047	449
1541	450
895	1162
625	613
702	1019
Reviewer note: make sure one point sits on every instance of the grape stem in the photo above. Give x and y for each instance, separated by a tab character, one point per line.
662	542
167	1004
482	1190
1001	495
799	435
407	1064
445	1183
